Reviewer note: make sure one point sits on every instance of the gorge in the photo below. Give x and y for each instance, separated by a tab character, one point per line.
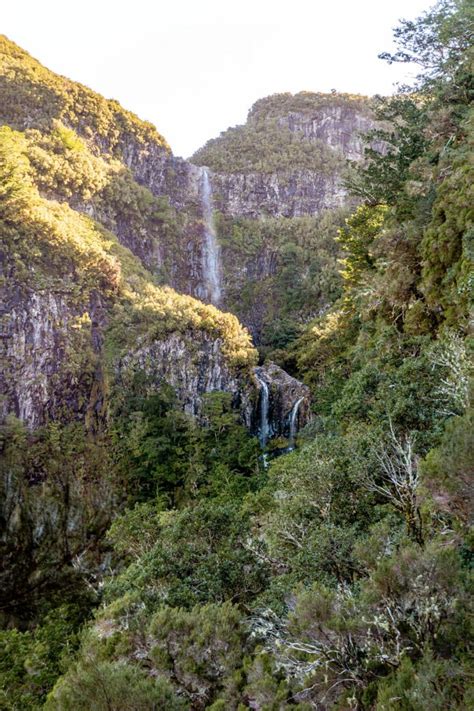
236	428
184	243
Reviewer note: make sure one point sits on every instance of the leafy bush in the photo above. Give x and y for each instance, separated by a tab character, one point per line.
112	685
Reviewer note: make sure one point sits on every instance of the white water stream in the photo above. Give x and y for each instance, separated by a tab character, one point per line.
264	425
211	263
294	421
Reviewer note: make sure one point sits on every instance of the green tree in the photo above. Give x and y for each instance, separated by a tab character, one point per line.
200	555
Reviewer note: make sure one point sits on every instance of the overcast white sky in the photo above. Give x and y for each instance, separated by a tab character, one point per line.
195	68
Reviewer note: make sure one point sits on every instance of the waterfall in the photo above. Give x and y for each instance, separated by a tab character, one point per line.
264	425
211	264
294	422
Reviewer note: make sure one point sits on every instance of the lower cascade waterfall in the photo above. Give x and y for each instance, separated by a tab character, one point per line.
264	425
294	421
280	410
211	262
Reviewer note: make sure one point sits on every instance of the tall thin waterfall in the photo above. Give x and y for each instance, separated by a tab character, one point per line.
211	263
264	425
294	421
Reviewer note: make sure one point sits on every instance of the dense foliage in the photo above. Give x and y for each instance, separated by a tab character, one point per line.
289	274
341	576
252	148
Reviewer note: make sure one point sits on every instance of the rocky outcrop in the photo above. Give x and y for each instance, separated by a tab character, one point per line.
339	126
296	191
53	363
193	364
283	406
255	195
52	354
295	178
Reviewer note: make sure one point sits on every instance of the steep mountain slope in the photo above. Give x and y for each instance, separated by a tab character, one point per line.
79	312
122	174
86	327
66	277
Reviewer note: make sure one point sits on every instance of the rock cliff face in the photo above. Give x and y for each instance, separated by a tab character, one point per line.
339	125
192	371
50	350
305	141
54	362
255	195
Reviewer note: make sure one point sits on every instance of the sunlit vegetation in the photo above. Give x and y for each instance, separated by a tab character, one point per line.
46	237
266	143
304	102
266	147
34	97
